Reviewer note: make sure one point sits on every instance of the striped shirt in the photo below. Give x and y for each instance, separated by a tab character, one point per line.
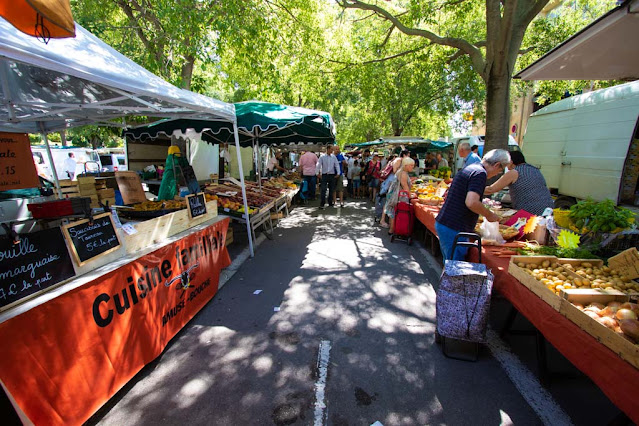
328	165
454	213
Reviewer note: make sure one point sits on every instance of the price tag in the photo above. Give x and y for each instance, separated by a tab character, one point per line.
116	219
129	229
226	209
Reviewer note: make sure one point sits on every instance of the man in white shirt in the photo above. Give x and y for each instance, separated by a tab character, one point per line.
69	166
273	164
328	171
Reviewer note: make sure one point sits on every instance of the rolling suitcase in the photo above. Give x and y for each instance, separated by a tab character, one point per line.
463	302
404	218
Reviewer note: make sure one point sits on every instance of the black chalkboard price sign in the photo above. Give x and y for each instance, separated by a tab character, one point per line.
90	240
196	205
34	264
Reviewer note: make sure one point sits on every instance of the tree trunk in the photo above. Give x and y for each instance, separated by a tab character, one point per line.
497	111
187	73
63	137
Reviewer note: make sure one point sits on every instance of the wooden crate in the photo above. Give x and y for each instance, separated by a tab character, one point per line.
67	182
87	189
106	193
618	344
86	180
531	282
586	296
156	230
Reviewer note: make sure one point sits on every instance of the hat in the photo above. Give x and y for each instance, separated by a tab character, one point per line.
174	150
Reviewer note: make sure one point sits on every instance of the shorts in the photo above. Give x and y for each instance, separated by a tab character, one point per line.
374	183
356	184
339	186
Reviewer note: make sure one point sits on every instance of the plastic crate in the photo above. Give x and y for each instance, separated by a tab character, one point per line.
59	208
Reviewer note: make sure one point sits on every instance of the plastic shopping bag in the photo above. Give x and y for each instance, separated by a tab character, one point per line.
489	232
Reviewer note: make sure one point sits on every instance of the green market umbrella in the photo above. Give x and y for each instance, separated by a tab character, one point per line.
257	122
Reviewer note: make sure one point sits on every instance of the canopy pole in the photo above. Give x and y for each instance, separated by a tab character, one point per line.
259	164
246	207
55	172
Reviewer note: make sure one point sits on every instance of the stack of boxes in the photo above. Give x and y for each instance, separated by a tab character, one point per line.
69	188
96	188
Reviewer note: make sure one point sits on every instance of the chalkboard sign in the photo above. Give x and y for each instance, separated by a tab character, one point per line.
196	205
37	262
89	240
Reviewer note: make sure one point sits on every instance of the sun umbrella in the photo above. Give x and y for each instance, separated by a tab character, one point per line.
261	122
258	123
45	19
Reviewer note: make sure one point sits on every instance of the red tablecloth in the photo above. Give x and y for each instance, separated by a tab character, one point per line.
426	215
614	376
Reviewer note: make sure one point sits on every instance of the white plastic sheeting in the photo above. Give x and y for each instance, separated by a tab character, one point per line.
82	80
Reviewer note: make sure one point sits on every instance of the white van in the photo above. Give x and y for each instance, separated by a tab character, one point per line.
479	141
86	160
588	145
113	162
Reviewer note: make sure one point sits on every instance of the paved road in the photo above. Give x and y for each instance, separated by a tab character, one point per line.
336	279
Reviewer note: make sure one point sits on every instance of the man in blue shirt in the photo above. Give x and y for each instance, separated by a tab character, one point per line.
469	156
463	203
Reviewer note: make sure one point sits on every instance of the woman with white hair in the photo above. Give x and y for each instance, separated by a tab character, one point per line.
463	203
402	183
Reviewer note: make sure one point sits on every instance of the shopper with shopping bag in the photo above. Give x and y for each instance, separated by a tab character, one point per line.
463	203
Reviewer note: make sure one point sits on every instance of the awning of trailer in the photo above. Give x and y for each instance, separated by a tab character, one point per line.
607	49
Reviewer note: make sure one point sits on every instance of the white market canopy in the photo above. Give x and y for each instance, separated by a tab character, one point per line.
607	49
78	81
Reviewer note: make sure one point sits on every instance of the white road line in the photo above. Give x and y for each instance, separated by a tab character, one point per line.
320	384
539	399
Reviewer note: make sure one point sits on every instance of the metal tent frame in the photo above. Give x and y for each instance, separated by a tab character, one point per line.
79	81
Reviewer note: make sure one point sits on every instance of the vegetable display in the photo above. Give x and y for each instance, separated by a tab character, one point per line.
600	216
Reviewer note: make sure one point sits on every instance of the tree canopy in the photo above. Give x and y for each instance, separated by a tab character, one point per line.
380	68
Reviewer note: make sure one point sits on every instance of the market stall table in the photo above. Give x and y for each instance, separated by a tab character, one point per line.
74	347
617	379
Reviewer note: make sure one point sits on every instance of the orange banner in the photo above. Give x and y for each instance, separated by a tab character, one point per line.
17	169
62	360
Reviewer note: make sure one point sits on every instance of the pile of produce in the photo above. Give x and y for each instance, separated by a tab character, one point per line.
442	173
491	204
559	276
280	182
617	316
604	277
148	206
597	216
568	252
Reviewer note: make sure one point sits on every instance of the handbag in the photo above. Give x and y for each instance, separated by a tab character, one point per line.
388	170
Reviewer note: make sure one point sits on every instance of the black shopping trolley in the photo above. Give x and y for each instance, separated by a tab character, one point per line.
463	302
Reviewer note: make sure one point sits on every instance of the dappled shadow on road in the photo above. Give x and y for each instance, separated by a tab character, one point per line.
334	277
